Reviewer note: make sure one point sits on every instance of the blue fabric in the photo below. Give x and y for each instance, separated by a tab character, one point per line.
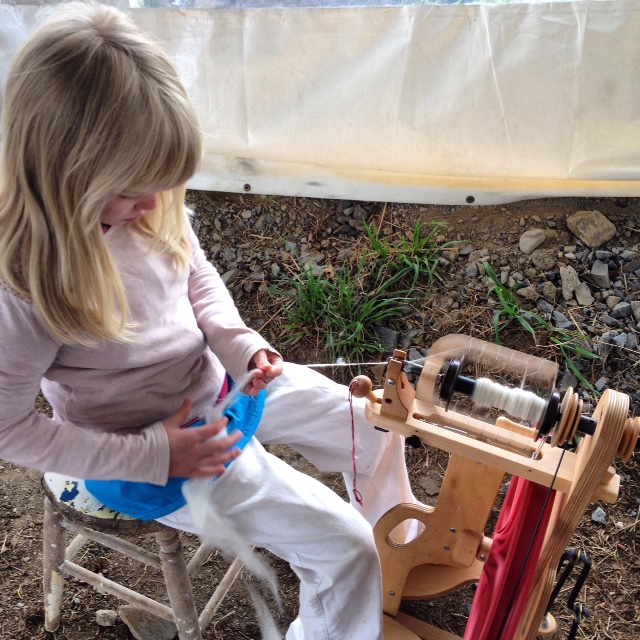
147	501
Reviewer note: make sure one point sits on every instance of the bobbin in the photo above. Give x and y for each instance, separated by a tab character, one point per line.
451	381
565	415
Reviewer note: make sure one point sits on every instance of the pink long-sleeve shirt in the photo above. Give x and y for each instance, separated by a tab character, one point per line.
108	400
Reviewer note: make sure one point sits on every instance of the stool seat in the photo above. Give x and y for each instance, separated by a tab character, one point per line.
71	498
69	507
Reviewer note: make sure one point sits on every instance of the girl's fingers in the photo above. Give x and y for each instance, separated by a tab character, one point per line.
199	451
210	430
219	445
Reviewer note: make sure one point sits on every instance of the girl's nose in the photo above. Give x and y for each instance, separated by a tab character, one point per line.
147	202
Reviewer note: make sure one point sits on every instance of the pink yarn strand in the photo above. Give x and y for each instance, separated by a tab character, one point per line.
356	493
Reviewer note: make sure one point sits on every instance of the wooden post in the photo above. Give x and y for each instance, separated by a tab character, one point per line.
178	584
54	541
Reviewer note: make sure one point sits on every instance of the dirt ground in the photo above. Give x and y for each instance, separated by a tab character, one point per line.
612	592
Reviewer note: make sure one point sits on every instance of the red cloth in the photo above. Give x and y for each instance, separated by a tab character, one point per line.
511	565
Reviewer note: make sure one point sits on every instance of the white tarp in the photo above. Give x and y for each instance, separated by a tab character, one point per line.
414	103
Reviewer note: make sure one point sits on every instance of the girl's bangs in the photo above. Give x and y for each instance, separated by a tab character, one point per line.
170	156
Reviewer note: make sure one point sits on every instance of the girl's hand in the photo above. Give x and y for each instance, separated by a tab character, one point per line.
192	452
266	365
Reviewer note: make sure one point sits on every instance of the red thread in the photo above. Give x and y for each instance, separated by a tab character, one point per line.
356	493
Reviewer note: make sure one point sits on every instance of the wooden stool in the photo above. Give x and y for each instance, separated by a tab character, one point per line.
69	506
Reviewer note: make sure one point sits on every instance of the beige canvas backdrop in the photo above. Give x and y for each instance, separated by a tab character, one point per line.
482	103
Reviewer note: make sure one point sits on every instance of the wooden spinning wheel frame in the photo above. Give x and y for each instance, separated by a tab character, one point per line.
452	550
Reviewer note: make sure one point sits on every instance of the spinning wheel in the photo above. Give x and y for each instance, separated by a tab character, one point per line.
516	426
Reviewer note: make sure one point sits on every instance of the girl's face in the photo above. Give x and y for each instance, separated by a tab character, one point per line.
127	207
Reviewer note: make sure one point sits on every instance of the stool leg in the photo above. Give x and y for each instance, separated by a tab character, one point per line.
54	542
176	577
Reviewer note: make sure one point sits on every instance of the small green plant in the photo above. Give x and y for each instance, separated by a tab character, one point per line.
342	307
509	310
307	300
347	304
570	343
411	260
355	311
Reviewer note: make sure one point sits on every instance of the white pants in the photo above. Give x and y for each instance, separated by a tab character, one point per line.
328	543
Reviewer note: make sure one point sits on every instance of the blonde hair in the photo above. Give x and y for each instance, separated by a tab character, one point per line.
93	108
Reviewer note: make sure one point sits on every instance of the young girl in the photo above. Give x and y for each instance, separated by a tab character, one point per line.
108	304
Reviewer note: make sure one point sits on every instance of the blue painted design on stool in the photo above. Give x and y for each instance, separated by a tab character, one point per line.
70	491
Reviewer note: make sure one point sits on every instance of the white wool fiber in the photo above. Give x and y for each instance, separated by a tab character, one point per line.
216	532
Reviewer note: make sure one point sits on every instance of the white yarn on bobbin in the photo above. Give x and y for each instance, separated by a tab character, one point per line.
518	403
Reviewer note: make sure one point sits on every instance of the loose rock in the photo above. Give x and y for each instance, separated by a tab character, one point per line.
106	617
591	227
531	239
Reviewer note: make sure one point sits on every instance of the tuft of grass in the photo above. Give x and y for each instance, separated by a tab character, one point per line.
412	260
346	307
347	304
509	310
571	344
